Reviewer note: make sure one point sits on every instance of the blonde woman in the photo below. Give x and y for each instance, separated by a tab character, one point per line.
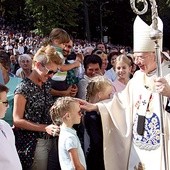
100	88
32	101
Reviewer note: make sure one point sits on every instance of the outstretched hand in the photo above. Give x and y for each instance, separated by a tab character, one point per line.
84	105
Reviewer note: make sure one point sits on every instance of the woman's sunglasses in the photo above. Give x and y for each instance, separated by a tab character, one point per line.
49	72
5	103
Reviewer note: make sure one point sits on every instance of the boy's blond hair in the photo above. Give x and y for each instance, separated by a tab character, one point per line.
61	106
97	84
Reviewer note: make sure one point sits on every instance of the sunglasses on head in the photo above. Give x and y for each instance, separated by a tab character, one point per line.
5	103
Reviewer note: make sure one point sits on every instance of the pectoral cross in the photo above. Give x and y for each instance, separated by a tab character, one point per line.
144	102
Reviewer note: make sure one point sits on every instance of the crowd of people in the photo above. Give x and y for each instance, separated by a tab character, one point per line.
78	105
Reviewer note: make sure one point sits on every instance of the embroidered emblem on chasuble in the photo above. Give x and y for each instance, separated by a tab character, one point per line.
151	137
150	140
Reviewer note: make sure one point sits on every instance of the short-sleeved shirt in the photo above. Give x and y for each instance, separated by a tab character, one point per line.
38	101
9	159
68	139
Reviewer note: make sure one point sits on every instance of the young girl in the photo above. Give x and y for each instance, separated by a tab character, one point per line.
123	69
100	88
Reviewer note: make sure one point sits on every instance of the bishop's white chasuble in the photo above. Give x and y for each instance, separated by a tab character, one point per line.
131	123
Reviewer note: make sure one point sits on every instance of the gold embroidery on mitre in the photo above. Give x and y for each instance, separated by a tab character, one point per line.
140	166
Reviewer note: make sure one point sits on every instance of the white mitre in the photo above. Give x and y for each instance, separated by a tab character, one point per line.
141	38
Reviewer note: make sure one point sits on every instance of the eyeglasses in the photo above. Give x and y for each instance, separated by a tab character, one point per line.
5	103
49	72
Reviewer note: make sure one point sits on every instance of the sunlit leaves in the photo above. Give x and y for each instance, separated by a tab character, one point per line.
48	14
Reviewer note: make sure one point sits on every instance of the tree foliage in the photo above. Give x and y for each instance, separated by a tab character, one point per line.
43	15
48	14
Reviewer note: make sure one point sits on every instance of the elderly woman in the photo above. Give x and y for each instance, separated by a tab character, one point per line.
32	101
25	62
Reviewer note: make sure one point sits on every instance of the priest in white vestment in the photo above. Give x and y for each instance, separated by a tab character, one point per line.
131	121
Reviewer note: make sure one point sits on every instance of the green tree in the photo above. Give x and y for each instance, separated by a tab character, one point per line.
48	14
43	15
2	9
12	11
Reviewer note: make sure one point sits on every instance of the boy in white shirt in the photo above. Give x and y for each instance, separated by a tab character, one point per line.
9	158
66	111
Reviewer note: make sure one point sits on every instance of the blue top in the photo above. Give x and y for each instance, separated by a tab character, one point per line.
1	77
111	74
12	83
